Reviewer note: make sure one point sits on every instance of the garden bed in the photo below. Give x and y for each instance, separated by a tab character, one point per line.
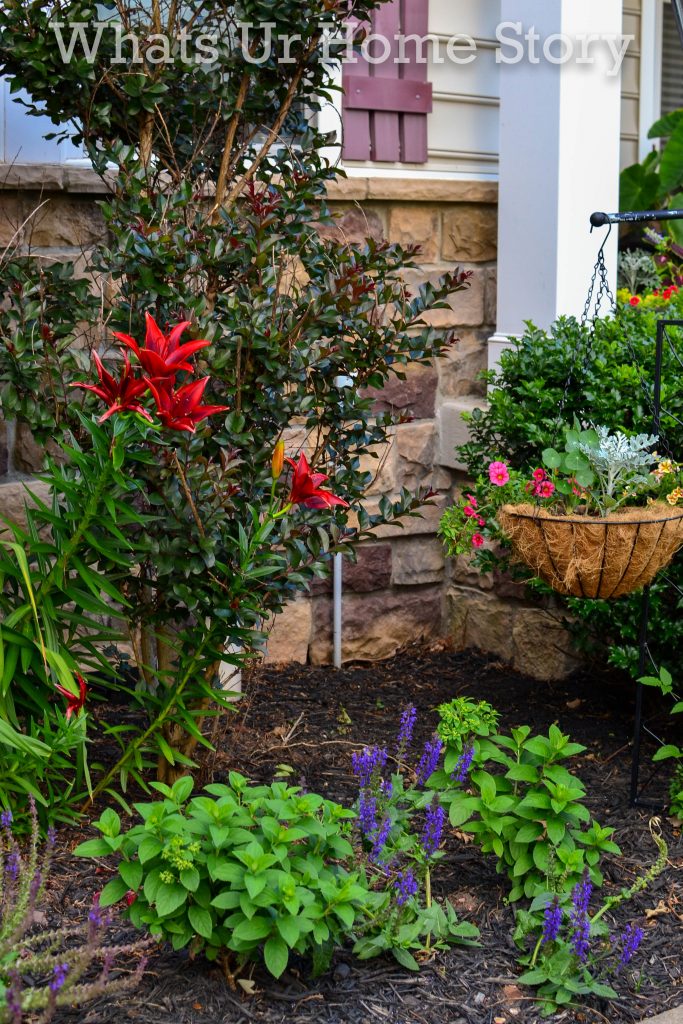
311	719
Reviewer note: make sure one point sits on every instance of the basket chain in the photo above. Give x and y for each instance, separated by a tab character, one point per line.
601	278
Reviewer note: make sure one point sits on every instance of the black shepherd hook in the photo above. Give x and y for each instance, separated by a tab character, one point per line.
599	220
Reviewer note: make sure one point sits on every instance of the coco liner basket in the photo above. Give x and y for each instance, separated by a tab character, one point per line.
586	556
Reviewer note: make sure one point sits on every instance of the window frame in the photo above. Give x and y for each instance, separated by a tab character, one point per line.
651	67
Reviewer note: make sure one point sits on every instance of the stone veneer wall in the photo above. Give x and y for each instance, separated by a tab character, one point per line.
402	588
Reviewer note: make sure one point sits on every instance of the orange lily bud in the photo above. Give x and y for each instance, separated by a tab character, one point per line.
278	460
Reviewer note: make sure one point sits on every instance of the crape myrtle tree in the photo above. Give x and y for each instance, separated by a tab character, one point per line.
216	178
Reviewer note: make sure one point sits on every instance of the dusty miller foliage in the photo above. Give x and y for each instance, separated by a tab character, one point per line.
216	178
619	461
637	271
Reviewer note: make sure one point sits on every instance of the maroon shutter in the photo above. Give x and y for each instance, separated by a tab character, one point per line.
385	105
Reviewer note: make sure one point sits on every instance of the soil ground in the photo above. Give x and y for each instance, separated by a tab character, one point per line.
311	719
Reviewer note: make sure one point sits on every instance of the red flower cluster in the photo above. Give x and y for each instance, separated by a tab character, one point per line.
471	512
74	703
305	487
540	485
161	358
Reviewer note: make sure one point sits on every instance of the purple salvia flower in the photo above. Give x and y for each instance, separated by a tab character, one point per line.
580	940
581	895
380	839
631	939
387	788
552	921
13	998
58	977
95	917
405	732
406	886
51	837
368	764
13	865
653	236
6	819
433	827
107	964
429	760
367	813
463	764
36	883
579	918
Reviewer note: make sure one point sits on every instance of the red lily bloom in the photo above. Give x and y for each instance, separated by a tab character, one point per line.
74	703
162	355
181	409
305	490
122	394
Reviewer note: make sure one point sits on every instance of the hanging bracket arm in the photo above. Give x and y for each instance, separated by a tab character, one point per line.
599	220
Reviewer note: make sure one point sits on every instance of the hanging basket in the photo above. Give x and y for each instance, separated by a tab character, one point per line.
586	556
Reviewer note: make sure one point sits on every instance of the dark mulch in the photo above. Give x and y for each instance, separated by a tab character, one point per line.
311	719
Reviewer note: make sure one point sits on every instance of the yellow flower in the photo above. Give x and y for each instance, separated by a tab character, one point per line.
665	467
675	496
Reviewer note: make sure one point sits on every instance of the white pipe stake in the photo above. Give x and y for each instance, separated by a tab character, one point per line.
337	609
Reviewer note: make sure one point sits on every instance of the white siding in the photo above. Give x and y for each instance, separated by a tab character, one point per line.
463	129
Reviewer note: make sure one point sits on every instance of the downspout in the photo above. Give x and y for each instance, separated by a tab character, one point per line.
337	572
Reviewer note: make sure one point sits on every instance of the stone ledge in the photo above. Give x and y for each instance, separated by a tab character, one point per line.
453	431
15	496
51	177
66	178
439	190
674	1016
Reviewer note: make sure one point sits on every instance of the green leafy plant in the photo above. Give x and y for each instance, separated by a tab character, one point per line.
525	807
463	718
670	751
240	871
654	183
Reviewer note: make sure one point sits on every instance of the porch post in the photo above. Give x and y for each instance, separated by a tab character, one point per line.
559	157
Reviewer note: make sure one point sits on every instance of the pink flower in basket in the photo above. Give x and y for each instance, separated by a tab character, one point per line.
477	540
498	474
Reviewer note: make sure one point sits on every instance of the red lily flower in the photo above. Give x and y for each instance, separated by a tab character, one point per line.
162	355
121	394
305	490
181	409
74	703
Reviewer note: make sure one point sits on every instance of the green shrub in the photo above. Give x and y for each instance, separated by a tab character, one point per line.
525	806
243	869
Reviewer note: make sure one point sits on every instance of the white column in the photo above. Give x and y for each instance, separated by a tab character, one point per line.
559	156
